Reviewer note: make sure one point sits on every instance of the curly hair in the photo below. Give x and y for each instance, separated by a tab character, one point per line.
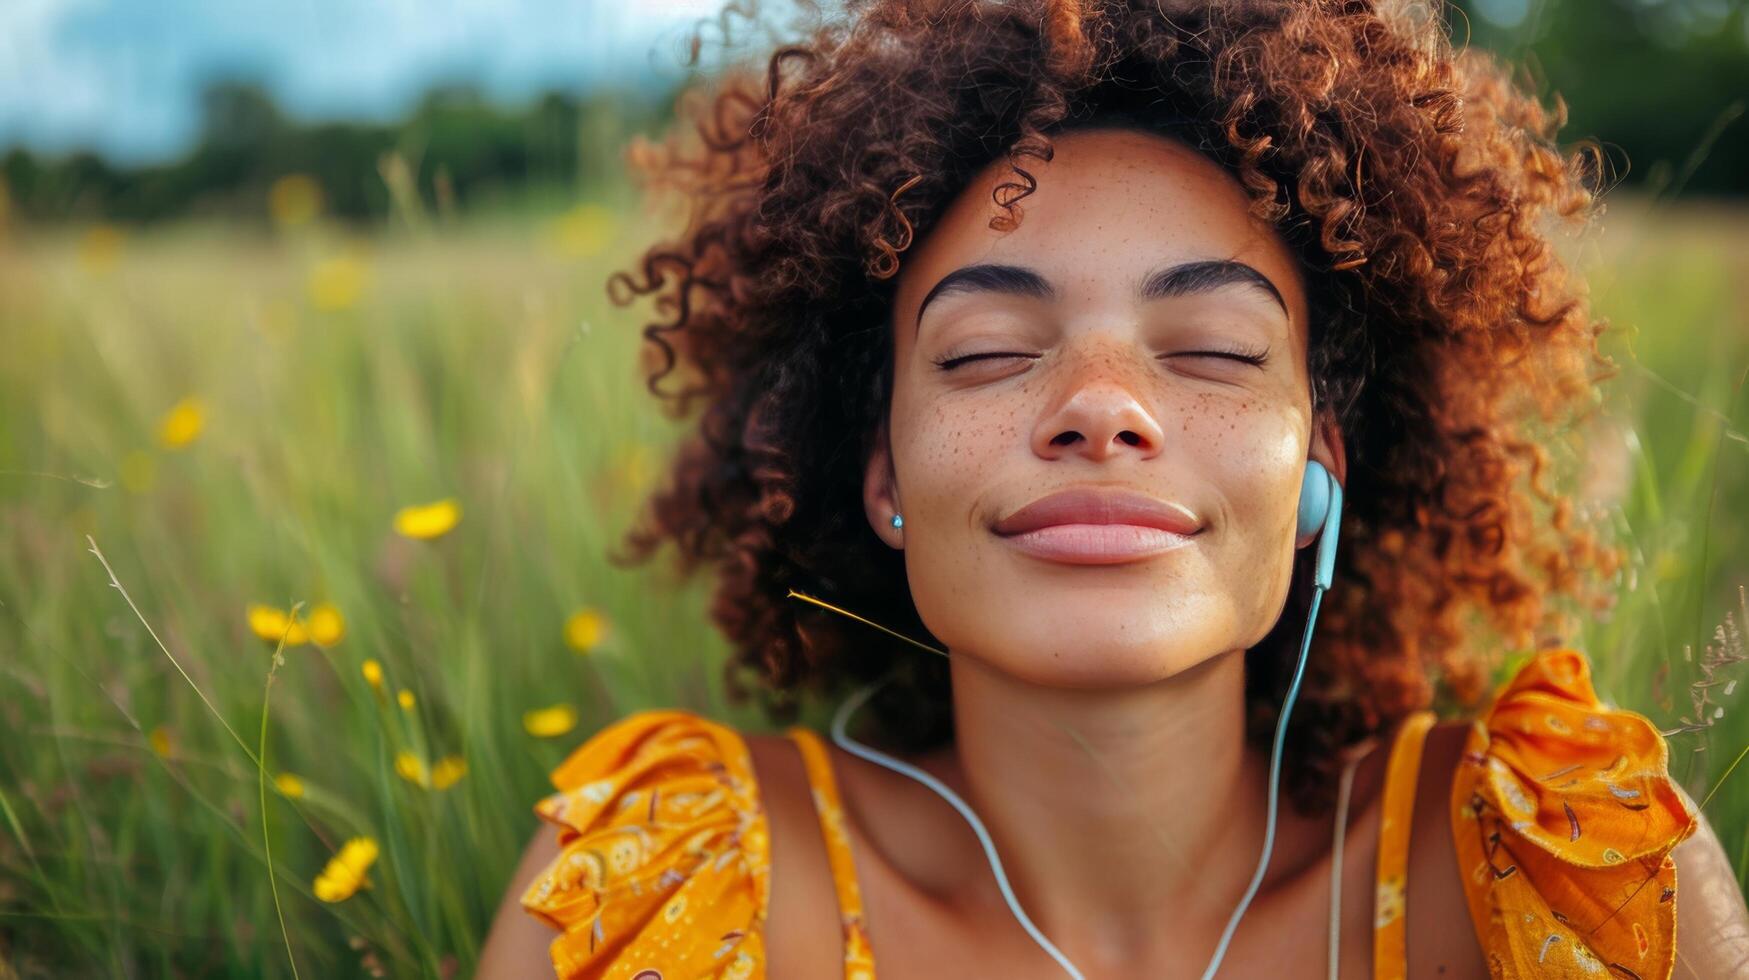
1420	188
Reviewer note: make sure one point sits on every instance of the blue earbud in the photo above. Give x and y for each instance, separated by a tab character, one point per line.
1314	497
1321	514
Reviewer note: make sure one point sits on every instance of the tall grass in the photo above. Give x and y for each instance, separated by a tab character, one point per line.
341	379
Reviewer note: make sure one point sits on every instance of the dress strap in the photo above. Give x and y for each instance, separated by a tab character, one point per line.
858	960
1391	910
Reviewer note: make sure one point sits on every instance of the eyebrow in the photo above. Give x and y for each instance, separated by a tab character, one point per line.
1183	279
1201	277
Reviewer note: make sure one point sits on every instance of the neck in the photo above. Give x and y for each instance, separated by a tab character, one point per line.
1126	820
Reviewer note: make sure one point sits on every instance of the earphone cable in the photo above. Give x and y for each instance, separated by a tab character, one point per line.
856	748
842	716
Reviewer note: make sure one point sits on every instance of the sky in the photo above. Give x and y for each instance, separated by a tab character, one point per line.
123	77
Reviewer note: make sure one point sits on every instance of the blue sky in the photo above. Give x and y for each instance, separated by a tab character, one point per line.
123	76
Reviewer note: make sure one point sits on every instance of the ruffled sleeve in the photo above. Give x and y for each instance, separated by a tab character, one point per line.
1564	815
663	872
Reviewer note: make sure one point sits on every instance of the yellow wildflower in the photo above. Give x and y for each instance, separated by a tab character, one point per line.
426	521
160	740
550	722
336	283
584	630
270	624
412	768
344	875
294	199
100	247
636	466
182	423
448	771
373	673
581	231
405	699
289	785
327	626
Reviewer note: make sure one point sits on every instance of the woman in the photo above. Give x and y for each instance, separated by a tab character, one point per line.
1029	332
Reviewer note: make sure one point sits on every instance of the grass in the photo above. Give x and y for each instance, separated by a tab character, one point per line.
341	379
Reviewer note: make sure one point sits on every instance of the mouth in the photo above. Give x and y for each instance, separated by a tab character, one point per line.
1098	526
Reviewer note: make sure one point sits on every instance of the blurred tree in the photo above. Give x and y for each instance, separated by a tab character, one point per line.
1662	84
481	149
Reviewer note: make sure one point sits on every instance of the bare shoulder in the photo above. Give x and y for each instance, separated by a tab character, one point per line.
1712	933
1442	937
517	944
1712	923
801	930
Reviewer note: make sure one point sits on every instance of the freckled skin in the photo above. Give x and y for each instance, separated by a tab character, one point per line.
1135	882
1111	392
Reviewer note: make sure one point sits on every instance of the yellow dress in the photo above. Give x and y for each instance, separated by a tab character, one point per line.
1563	817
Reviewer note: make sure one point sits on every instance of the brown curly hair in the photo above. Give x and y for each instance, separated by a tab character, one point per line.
1421	189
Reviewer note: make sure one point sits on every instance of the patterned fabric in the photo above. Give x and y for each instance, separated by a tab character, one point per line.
1390	921
663	870
1563	817
858	959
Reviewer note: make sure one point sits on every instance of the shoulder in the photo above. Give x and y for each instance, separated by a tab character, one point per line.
1712	923
1563	817
664	852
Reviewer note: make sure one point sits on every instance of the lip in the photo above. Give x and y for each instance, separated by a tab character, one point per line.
1098	526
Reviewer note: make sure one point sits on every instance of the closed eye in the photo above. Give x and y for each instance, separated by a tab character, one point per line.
1253	357
950	363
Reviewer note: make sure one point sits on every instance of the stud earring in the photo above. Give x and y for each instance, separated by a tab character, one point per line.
898	521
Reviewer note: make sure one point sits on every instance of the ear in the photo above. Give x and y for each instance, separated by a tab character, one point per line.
1327	448
880	491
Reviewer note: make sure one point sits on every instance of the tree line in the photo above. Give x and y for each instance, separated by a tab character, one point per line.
1662	86
460	148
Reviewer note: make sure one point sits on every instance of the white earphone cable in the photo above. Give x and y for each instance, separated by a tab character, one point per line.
856	700
858	749
1317	496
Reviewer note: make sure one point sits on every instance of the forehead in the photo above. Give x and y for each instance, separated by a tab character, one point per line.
1110	206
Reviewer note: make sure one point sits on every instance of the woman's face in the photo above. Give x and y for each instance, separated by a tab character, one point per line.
1106	344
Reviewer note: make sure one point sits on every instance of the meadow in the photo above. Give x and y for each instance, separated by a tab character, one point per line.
302	543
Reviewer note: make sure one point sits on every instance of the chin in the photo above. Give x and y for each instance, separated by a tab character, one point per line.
1098	646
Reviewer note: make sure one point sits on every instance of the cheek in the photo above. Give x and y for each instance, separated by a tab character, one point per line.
1256	457
1256	454
947	458
946	454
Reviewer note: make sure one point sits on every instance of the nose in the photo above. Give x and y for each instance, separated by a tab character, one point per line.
1099	414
